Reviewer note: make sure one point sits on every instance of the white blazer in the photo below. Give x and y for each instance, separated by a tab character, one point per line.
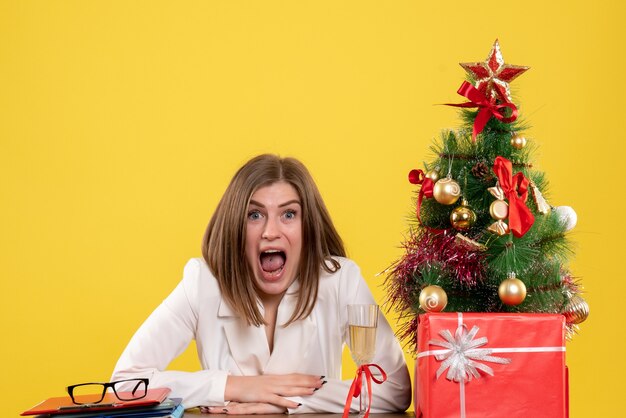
227	345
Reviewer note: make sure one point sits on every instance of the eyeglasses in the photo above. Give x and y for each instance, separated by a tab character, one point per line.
93	393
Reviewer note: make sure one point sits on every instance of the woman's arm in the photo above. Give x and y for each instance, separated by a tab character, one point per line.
164	336
393	395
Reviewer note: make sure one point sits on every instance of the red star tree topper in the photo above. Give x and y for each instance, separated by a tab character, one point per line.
493	75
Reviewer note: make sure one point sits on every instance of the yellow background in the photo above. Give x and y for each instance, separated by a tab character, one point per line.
121	123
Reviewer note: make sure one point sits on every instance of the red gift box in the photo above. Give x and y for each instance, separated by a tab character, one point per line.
491	365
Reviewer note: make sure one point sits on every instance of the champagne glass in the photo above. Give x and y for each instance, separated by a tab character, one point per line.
363	321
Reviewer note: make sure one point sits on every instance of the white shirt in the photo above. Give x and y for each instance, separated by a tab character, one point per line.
227	345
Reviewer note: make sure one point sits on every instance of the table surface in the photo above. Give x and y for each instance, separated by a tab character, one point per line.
195	413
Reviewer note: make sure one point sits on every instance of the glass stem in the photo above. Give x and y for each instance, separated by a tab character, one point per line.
363	399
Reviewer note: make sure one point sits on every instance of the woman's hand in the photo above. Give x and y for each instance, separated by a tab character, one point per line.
271	389
236	408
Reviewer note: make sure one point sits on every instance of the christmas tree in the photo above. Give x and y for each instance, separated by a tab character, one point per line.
484	237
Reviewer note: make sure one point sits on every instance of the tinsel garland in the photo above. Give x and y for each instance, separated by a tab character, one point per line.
425	249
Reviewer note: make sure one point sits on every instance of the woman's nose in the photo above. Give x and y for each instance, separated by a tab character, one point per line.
271	229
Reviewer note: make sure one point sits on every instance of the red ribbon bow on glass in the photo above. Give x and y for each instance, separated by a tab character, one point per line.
515	187
488	108
355	388
418	177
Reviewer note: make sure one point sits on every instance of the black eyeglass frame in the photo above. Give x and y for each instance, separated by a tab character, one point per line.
140	380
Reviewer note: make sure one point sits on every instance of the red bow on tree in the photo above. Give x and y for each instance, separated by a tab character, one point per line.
488	108
418	177
515	188
355	388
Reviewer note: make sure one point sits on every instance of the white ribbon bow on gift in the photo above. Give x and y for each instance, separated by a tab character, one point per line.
462	354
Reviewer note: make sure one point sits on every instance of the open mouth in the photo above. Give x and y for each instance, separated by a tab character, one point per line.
272	262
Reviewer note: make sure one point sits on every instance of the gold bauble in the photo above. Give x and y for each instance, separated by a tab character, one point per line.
462	217
499	210
433	175
446	191
576	310
433	299
518	141
512	291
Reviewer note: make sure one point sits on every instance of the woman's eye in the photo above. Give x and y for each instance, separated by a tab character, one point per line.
253	215
290	214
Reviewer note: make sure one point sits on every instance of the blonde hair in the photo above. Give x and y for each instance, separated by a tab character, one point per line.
223	245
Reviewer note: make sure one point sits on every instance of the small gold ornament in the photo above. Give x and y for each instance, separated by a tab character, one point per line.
576	310
499	228
446	191
499	210
469	243
512	291
462	217
518	141
433	175
497	192
433	299
542	204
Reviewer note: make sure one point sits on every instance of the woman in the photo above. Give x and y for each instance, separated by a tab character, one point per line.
267	307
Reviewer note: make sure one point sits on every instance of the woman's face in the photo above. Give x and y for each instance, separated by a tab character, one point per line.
274	238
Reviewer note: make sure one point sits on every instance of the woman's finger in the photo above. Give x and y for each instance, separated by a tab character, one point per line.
283	390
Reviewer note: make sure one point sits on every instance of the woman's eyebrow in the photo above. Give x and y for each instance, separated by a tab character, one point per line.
255	203
289	202
297	202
